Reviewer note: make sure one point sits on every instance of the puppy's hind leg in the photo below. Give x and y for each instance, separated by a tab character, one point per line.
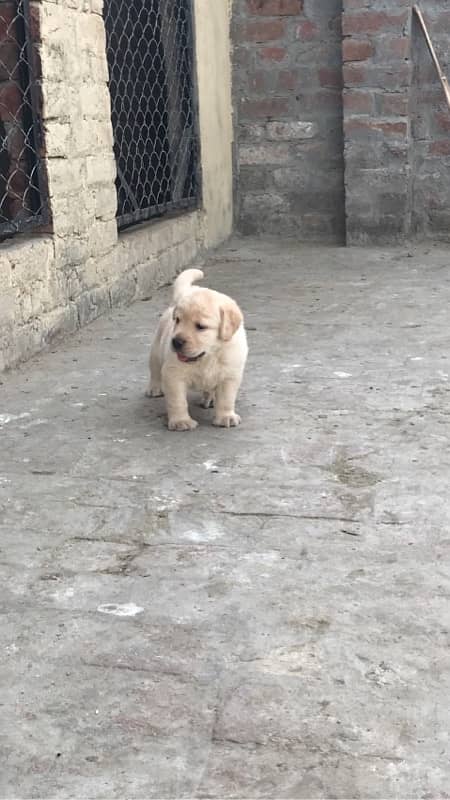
154	388
208	400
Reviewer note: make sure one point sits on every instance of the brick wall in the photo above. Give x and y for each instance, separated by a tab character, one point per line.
288	125
302	65
430	126
377	77
396	123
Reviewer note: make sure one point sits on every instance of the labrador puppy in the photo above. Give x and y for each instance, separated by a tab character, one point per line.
200	344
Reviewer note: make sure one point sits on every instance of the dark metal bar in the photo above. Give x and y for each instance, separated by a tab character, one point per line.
192	42
154	212
35	103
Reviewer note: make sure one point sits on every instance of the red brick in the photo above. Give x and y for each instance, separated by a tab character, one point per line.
363	5
394	78
399	46
393	128
257	80
441	148
354	75
395	105
268	108
387	128
264	30
288	80
354	124
387	77
358	102
357	50
325	100
443	120
330	77
307	31
442	21
273	53
372	22
275	8
243	56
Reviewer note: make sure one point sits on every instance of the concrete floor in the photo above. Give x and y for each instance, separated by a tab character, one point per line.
246	613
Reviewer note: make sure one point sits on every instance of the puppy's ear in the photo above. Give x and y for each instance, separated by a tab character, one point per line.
230	319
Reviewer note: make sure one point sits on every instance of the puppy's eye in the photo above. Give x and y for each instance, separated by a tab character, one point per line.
201	327
177	320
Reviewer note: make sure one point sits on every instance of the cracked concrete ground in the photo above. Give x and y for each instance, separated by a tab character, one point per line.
246	613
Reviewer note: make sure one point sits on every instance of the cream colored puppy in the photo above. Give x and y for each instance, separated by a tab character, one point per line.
200	344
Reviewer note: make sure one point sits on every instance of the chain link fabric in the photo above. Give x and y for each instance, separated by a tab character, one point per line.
21	203
153	106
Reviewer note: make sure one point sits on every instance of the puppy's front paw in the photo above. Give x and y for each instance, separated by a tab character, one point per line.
227	420
185	424
154	391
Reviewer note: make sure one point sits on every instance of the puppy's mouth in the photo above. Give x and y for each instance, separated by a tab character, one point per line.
189	359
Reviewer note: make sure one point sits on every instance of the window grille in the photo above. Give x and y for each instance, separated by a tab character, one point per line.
150	53
22	200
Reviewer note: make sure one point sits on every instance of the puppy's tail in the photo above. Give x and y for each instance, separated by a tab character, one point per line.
185	281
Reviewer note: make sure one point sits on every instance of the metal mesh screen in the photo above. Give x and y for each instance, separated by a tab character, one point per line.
21	197
153	106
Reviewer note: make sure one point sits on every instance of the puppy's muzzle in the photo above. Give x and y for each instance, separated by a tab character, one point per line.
178	344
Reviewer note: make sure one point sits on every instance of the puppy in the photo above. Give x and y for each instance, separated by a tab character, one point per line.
200	344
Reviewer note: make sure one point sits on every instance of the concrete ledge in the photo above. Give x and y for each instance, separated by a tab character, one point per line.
152	254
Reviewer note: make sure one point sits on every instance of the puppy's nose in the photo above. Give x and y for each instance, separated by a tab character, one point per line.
177	343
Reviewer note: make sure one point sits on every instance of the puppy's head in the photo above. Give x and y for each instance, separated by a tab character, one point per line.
203	320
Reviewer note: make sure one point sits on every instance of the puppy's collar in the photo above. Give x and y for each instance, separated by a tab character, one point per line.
186	360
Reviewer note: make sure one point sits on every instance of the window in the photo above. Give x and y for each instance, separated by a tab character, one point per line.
21	197
153	106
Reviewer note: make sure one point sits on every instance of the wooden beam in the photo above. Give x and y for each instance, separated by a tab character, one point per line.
443	78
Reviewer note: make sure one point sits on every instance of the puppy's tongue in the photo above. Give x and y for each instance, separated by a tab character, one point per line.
182	358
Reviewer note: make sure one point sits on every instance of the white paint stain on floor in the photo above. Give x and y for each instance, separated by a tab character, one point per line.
209	534
211	466
34	422
124	610
291	368
63	594
5	419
